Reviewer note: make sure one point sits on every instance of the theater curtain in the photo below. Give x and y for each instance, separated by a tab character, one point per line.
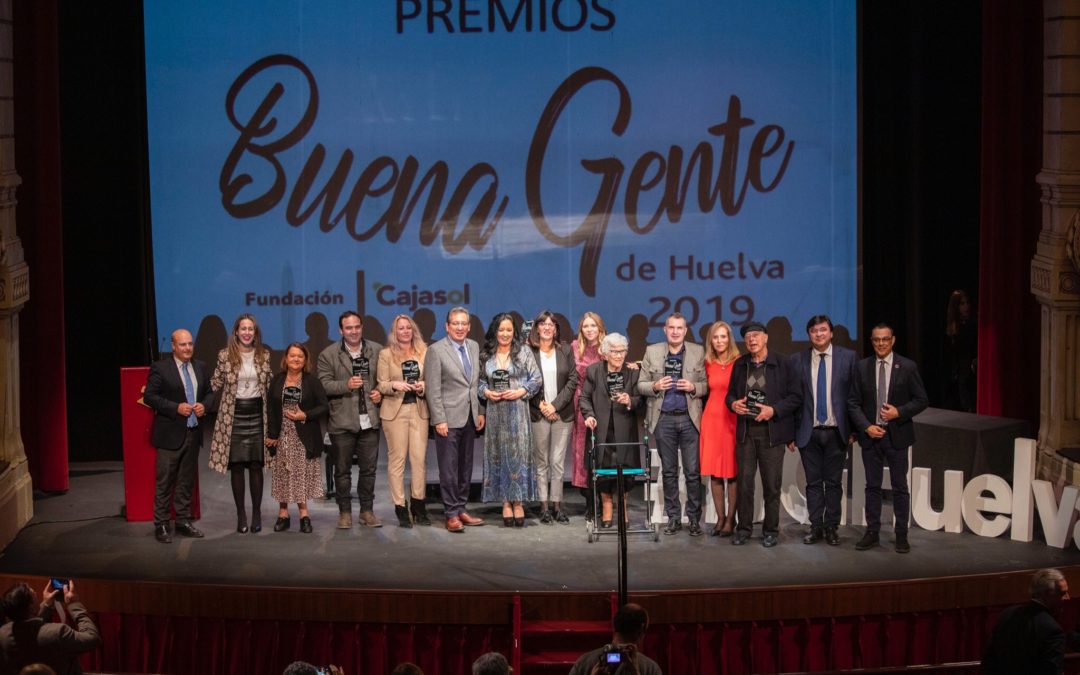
155	644
39	224
1010	211
209	646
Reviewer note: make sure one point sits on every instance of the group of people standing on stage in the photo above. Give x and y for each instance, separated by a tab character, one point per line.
538	398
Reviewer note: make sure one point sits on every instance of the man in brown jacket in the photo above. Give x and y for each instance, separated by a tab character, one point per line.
30	636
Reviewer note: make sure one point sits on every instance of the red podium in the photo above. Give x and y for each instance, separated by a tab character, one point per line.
140	457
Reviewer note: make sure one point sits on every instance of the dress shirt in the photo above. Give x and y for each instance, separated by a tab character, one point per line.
191	374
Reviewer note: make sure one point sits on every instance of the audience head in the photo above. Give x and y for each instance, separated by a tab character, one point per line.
492	663
37	669
407	669
20	602
300	668
630	623
1049	588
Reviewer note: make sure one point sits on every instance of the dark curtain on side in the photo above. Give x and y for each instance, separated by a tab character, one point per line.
1011	217
39	224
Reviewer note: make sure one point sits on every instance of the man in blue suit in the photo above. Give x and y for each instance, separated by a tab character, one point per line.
822	432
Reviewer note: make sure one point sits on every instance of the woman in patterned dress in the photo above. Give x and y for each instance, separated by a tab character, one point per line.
718	426
297	403
241	379
509	377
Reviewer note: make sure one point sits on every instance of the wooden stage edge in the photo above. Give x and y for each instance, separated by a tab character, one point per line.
446	607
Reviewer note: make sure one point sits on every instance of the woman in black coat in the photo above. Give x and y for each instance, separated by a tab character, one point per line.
296	405
609	403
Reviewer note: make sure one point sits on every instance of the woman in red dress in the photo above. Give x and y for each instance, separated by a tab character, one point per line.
718	426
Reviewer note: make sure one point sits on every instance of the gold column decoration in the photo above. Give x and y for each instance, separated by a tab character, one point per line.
1055	278
16	491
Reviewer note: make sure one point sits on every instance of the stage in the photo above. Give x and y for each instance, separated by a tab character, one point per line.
81	534
369	598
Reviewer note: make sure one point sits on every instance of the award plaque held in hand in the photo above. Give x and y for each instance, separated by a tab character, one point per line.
755	398
673	368
616	384
500	380
290	397
410	370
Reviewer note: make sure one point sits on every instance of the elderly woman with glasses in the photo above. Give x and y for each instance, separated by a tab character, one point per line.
609	404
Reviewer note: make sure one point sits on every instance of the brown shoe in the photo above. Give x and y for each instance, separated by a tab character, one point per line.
368	518
453	524
344	521
471	521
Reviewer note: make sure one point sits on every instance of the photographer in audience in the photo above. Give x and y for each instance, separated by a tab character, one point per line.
622	655
31	636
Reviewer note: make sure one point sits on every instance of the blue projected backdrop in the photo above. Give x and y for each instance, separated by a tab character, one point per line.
630	158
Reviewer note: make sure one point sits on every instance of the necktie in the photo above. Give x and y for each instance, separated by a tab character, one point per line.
882	388
822	394
189	391
465	362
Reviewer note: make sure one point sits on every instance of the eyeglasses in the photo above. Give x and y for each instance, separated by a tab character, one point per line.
882	341
617	352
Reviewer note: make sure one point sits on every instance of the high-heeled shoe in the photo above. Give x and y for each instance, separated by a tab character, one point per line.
282	524
508	521
256	522
605	524
241	523
305	524
519	521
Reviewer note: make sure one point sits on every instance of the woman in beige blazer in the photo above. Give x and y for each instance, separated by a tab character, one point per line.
404	415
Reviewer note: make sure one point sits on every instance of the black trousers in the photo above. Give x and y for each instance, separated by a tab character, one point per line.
175	471
754	453
876	457
365	445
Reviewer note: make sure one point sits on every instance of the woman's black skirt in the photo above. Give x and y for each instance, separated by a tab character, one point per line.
247	432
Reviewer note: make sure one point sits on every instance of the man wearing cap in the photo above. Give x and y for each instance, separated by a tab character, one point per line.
673	377
821	426
764	394
886	392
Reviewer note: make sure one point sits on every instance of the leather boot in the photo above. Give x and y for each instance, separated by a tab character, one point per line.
402	514
419	512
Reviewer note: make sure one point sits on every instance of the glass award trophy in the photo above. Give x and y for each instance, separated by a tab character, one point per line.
500	380
410	370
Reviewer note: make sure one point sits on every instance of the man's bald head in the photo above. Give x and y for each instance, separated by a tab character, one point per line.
182	345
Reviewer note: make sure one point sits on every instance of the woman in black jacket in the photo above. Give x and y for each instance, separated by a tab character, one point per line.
296	405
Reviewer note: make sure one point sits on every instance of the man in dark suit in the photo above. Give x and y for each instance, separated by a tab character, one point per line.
886	393
764	394
822	432
176	388
451	377
1027	638
31	636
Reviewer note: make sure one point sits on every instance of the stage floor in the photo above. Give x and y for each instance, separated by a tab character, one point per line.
82	535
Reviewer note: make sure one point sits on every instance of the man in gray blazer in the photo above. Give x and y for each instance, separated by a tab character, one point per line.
673	379
31	636
451	373
347	372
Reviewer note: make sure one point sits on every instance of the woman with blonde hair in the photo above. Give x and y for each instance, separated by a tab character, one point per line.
718	426
586	350
241	378
404	415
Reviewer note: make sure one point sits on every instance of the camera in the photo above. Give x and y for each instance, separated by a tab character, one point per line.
614	656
